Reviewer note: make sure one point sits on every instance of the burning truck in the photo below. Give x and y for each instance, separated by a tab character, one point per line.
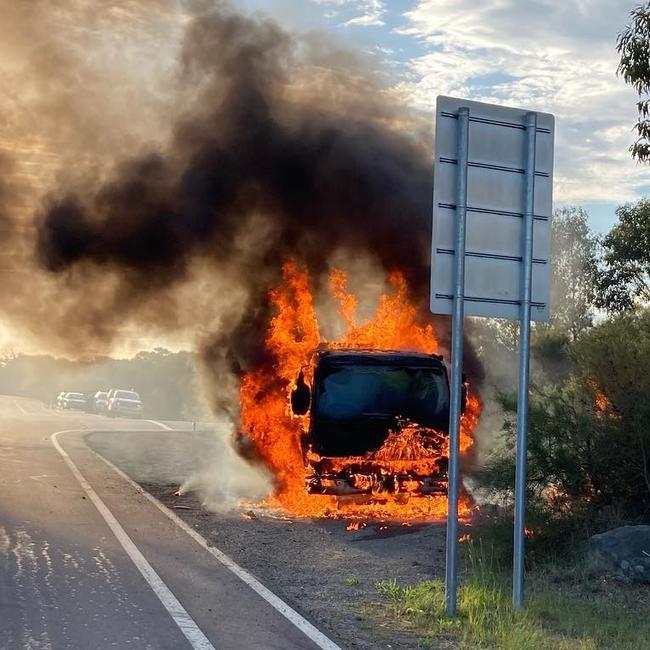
357	426
269	162
378	422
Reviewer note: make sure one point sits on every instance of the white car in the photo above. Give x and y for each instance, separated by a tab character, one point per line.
100	401
74	401
124	402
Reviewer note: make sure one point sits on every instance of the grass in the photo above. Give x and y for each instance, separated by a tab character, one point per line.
566	609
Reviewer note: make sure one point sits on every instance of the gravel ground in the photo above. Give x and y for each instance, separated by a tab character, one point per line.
316	565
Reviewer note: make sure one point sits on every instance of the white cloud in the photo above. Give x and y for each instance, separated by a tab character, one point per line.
552	55
370	12
366	20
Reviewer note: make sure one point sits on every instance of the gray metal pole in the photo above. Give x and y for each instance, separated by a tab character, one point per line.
524	363
451	571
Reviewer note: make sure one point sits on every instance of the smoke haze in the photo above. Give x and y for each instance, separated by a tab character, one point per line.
170	212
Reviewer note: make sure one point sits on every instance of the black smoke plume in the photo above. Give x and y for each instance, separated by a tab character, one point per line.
281	148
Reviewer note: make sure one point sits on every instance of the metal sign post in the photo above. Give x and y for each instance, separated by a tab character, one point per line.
492	203
524	363
451	570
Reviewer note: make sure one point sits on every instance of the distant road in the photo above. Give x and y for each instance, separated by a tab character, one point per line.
87	561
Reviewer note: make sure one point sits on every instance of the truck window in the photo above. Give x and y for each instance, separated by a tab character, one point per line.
351	392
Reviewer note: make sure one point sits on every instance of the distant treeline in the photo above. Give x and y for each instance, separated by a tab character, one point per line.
167	381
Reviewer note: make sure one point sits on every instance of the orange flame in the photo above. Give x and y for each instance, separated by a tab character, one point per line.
292	339
602	405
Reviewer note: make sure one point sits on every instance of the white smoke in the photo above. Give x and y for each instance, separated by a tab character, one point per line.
224	479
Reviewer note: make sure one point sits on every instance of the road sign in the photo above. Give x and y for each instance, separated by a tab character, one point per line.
493	182
496	163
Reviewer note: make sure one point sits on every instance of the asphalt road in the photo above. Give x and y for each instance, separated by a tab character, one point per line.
88	561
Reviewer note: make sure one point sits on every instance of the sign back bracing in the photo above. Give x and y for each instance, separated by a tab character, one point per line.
496	169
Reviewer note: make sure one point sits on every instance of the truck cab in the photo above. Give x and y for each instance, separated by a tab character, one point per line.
378	421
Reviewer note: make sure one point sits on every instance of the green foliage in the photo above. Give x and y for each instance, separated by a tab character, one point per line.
563	430
588	438
166	381
565	610
551	350
616	357
486	619
555	537
633	46
624	278
573	270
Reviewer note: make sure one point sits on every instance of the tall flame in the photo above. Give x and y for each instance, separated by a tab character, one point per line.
292	339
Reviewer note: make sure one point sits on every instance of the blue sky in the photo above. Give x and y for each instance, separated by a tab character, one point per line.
551	55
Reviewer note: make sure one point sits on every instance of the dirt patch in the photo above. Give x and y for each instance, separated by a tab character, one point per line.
321	569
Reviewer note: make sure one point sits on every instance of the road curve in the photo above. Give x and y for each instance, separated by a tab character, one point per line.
87	560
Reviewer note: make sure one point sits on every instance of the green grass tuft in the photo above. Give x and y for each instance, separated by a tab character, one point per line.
560	613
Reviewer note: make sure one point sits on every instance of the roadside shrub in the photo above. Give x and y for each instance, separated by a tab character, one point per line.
589	435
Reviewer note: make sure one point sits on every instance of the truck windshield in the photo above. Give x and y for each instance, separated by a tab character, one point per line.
356	391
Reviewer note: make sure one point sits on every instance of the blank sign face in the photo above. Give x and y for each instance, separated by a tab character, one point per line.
495	209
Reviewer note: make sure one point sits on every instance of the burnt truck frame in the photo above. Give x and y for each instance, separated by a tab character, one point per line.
357	398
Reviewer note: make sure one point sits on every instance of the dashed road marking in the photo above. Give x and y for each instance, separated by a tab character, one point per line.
179	614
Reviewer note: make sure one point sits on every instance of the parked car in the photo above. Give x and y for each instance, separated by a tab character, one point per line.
124	402
74	401
100	401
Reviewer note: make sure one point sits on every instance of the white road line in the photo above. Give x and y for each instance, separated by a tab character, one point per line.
276	602
20	407
160	424
185	622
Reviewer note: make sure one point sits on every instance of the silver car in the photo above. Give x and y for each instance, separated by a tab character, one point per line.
75	401
100	401
124	402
